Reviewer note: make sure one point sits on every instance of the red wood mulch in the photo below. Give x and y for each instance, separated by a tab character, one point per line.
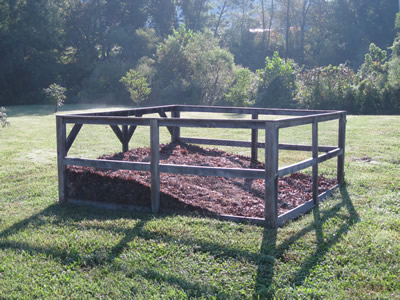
215	195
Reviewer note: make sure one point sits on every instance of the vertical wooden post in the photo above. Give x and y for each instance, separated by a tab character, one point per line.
271	174
341	142
315	163
154	165
125	143
254	141
61	153
176	131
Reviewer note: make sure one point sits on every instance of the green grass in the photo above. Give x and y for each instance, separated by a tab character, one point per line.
349	247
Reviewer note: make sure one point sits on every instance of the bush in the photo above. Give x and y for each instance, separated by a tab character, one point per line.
244	88
136	85
276	83
56	95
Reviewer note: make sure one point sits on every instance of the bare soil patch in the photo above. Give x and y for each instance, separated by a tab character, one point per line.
209	195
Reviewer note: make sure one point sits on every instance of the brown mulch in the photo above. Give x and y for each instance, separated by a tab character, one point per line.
215	195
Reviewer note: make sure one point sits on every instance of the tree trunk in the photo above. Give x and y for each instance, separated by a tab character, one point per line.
221	13
270	24
287	30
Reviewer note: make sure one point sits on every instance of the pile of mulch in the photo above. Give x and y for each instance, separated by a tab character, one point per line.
215	195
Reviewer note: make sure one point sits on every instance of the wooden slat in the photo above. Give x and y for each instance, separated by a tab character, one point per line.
72	136
315	157
212	171
176	135
296	167
329	155
248	110
254	141
304	208
341	144
271	175
118	133
164	115
155	165
232	143
297	121
61	153
125	143
107	164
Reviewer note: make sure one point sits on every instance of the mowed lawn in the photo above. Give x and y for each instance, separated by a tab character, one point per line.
349	247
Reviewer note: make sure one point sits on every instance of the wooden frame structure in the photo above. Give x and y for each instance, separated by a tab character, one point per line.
124	123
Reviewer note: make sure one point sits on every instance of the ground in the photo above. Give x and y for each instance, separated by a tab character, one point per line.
210	195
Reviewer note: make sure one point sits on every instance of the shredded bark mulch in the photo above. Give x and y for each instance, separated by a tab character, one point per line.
209	195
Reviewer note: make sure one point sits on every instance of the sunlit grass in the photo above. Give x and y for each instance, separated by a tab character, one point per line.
348	248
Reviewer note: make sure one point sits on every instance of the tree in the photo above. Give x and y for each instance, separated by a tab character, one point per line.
56	95
3	117
137	86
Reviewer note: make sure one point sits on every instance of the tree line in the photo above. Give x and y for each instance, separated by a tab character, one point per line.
340	54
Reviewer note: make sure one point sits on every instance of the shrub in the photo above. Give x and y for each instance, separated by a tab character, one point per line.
276	83
56	95
3	117
136	85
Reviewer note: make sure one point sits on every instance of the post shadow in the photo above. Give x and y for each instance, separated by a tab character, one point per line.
270	252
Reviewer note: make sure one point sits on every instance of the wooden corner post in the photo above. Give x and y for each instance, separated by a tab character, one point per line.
341	142
155	165
61	153
271	175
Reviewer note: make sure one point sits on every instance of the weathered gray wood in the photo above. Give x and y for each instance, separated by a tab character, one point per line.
118	133
304	208
217	142
296	167
315	157
202	123
107	164
329	155
131	131
341	145
154	165
271	175
308	163
72	136
248	110
61	153
254	142
170	129
212	171
297	121
176	131
125	143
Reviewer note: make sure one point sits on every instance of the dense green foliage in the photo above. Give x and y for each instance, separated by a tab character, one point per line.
192	51
348	248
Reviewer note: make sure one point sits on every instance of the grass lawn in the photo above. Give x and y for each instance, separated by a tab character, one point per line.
349	247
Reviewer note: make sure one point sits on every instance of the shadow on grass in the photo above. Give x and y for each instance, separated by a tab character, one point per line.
270	252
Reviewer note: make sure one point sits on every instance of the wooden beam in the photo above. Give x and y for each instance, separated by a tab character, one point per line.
295	167
125	143
164	115
297	121
176	131
271	175
315	157
254	142
341	145
154	165
61	153
107	164
72	136
118	133
212	171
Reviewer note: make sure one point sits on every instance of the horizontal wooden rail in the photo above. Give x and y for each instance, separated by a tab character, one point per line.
107	164
298	121
308	162
212	171
217	142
